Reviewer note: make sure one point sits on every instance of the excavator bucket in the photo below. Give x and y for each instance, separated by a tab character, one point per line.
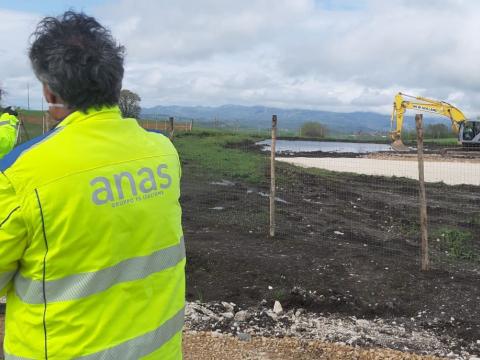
398	145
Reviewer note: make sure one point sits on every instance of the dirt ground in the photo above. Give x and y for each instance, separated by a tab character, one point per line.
345	244
213	346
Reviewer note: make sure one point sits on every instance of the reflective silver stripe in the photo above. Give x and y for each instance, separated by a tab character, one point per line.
81	285
136	347
13	357
144	344
4	123
5	278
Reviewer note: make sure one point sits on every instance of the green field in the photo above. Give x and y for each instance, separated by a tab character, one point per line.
222	154
31	112
446	141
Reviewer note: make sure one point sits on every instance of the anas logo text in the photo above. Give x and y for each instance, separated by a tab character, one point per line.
115	189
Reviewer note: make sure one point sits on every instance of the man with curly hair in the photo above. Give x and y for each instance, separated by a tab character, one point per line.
91	246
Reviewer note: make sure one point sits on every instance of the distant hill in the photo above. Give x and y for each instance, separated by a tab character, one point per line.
289	119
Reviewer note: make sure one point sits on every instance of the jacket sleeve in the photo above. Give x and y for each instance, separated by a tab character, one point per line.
12	233
8	133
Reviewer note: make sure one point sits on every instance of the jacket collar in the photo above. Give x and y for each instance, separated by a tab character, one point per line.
106	112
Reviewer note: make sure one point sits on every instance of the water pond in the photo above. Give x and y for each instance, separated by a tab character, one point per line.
297	146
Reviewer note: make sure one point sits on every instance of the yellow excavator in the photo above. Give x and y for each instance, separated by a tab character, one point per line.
468	131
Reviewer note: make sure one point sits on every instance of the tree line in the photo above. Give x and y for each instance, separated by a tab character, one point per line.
431	131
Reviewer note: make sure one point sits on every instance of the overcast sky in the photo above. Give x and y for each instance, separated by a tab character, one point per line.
341	55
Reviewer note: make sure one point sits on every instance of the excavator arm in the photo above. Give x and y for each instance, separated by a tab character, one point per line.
422	104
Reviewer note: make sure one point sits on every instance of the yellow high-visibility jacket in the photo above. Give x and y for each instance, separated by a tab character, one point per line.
8	133
91	246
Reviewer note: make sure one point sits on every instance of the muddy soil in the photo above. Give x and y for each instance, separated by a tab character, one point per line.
345	244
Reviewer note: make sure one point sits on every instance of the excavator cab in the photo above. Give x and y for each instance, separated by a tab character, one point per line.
469	133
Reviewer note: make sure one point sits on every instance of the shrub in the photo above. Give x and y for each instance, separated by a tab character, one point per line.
313	129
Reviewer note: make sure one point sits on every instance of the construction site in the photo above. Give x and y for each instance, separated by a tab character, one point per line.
346	262
342	276
256	180
346	252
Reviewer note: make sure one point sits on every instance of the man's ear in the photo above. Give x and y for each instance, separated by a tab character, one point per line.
49	95
56	107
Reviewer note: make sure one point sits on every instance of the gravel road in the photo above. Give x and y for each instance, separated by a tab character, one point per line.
215	346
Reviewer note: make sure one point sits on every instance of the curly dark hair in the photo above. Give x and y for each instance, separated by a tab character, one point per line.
79	60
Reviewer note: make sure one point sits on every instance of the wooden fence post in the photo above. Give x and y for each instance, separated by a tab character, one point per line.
423	196
272	176
172	128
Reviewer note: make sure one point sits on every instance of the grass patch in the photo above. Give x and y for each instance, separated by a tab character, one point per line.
457	244
221	154
281	295
446	141
410	228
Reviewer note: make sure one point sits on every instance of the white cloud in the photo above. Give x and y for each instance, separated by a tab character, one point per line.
15	73
338	55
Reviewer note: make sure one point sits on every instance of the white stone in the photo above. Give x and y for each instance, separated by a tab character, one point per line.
223	183
229	307
218	208
272	315
227	315
241	316
277	308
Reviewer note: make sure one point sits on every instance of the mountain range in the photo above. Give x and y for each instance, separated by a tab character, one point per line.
260	117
